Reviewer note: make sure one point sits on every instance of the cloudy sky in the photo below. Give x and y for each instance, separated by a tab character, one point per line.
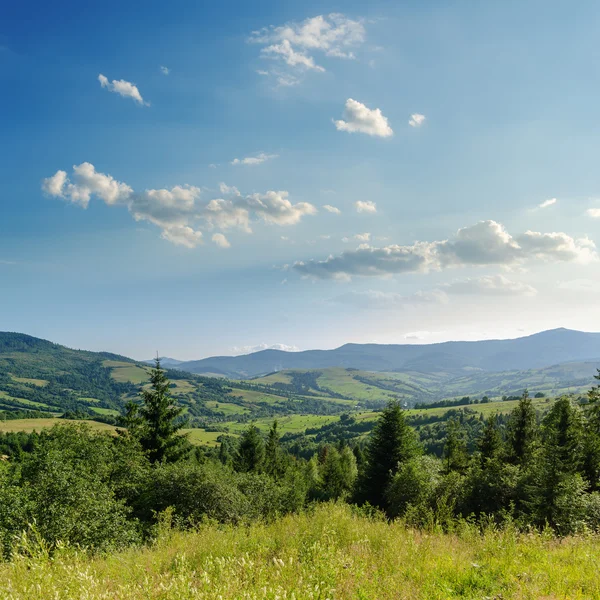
212	179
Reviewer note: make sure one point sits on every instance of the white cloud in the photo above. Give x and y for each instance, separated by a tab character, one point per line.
492	285
294	44
332	209
359	118
362	237
547	203
253	160
86	181
416	120
365	206
275	207
182	236
593	212
165	70
263	73
485	243
260	347
123	88
220	240
180	212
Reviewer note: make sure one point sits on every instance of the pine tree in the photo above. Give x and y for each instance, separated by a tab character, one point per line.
250	455
558	490
456	456
490	443
592	438
153	423
522	432
393	442
273	462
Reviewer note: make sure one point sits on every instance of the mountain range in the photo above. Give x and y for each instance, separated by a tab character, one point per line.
531	352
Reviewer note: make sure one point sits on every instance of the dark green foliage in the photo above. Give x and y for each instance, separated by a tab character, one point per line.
456	456
250	455
522	432
69	487
393	442
273	456
154	423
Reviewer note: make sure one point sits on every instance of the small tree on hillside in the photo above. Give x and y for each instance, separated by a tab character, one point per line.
522	431
456	456
392	444
273	459
153	423
250	455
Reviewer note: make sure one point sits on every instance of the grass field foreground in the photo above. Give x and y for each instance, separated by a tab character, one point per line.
328	553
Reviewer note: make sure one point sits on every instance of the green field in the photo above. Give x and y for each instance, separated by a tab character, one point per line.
29	425
227	408
38	382
127	372
328	553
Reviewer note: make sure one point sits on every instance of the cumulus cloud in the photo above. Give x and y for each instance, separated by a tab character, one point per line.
294	44
165	70
182	235
258	159
332	209
359	118
493	285
593	212
123	88
220	240
485	243
416	120
362	237
548	203
180	212
365	206
86	181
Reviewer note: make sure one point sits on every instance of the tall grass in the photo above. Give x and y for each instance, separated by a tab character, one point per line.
327	553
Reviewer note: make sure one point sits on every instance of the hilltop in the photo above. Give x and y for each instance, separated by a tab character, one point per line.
530	352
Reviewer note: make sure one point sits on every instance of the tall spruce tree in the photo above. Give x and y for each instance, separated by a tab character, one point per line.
592	438
154	422
273	458
393	443
250	455
522	432
490	443
456	456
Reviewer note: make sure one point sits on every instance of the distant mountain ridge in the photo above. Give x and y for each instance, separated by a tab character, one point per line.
531	352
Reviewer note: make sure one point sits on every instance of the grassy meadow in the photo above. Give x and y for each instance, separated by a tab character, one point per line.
327	553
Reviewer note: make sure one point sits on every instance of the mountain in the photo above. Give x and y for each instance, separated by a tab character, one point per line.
530	352
165	362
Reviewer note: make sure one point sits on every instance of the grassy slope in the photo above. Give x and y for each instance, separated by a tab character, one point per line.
325	554
29	425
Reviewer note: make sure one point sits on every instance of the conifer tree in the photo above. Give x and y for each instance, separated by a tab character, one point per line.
273	462
250	455
490	443
154	422
393	442
592	438
456	456
522	431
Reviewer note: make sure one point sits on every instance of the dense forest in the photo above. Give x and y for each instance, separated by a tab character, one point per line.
70	485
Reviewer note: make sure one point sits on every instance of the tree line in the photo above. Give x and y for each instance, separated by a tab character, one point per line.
99	491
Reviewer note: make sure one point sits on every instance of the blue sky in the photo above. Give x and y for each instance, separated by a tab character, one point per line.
457	142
